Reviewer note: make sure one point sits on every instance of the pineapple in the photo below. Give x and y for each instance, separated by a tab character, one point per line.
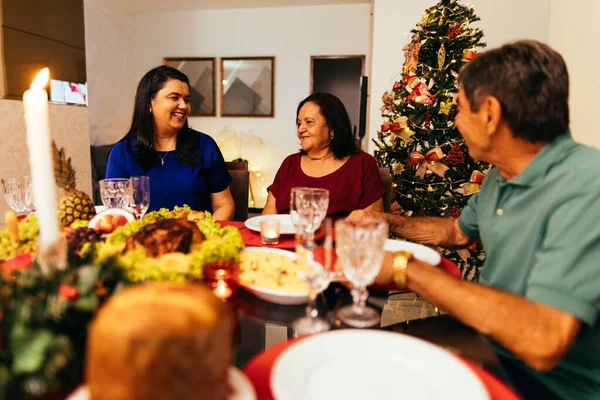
74	205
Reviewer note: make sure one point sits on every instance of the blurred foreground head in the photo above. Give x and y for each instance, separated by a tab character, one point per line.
160	341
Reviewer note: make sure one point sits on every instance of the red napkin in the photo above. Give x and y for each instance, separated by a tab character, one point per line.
259	369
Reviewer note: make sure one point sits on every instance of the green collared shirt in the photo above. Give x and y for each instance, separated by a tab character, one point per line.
541	235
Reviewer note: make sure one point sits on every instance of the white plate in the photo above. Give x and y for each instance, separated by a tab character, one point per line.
239	383
419	251
274	295
353	364
99	209
285	219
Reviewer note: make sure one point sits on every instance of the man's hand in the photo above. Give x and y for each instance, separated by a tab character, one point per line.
359	215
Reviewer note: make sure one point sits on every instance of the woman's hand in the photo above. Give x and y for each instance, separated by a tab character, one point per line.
223	205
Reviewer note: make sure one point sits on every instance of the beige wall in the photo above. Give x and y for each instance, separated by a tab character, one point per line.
110	54
68	126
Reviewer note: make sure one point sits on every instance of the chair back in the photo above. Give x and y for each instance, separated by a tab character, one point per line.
386	181
239	188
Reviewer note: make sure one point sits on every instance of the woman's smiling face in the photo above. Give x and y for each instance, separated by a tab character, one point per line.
313	131
170	107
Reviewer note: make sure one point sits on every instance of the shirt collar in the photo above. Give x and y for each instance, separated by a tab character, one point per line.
552	152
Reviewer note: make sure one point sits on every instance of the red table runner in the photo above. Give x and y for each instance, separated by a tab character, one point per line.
259	369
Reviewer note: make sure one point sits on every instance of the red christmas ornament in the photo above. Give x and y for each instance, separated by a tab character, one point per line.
397	85
454	212
469	55
68	292
385	127
455	155
421	211
427	123
453	31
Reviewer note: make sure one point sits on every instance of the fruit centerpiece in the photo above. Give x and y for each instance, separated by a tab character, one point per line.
43	318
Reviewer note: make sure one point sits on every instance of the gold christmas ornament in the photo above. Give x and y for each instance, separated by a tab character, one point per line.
445	107
411	53
441	56
430	189
398	168
401	133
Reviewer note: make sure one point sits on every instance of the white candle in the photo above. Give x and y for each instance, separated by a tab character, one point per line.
37	121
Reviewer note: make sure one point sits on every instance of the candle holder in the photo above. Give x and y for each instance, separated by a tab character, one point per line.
269	231
222	277
52	257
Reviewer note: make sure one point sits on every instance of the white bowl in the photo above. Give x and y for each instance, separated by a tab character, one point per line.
274	295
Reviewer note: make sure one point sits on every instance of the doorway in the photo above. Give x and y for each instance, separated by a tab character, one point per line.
340	76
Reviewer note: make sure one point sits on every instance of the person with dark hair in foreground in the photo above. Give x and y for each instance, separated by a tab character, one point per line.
184	166
538	296
328	159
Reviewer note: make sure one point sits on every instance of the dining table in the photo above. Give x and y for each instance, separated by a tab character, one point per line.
264	329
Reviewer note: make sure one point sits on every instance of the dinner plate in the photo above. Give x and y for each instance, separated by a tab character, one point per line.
353	364
285	219
274	295
240	385
420	252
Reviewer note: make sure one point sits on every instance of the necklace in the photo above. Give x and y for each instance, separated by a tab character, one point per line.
162	159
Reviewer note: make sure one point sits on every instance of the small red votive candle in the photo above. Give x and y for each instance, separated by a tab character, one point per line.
222	278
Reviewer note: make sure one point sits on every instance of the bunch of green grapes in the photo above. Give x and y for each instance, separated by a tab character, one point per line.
28	233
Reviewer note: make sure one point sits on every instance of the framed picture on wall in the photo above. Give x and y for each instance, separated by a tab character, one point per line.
201	73
247	86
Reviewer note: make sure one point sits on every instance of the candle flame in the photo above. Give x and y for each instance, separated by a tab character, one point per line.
41	79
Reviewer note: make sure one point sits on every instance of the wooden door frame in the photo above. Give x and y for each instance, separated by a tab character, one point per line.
312	65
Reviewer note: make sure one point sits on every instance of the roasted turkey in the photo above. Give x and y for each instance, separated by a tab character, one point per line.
166	236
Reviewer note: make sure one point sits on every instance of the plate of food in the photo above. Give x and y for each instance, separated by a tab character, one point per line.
110	219
286	228
272	275
419	252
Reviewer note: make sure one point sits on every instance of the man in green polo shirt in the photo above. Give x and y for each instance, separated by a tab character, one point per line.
537	215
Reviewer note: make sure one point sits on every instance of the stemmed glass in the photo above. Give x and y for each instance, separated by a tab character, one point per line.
17	193
139	195
308	208
360	250
115	192
317	276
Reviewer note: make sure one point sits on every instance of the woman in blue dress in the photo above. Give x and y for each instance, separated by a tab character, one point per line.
184	166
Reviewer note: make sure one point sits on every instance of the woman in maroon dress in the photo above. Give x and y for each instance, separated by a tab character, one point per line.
329	159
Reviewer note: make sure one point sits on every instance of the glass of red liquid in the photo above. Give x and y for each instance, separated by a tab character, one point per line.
222	277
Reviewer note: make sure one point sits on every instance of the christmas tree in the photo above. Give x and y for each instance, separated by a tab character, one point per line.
432	172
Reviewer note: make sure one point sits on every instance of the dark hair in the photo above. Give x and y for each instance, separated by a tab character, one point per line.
332	108
531	82
187	150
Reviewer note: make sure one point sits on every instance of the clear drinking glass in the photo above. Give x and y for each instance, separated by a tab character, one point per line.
115	192
308	207
360	251
17	193
139	200
317	276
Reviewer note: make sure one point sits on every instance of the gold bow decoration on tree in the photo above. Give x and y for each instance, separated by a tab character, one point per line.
430	161
474	183
399	131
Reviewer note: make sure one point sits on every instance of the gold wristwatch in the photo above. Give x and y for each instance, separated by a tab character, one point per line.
401	259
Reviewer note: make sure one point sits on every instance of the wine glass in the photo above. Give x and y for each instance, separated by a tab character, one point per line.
308	207
139	199
17	193
114	192
360	250
317	276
